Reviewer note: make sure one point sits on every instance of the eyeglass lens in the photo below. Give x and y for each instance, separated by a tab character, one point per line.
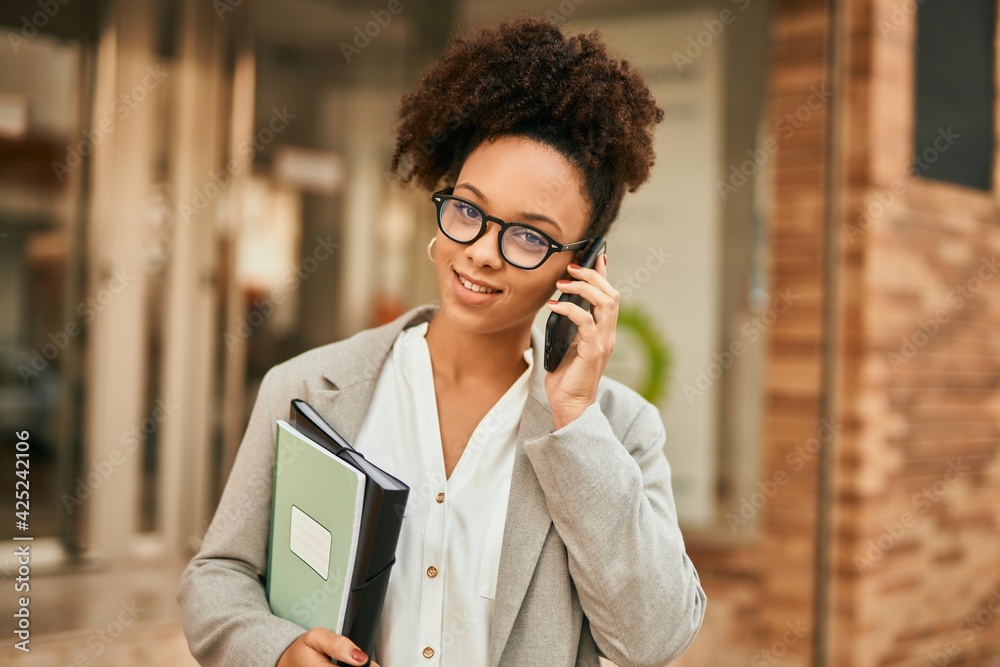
521	245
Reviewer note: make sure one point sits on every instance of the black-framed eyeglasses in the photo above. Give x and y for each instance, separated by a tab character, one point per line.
521	245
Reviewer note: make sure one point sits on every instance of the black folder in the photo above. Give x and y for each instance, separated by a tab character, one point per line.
382	518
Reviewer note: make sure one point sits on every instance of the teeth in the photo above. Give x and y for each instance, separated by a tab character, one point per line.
477	288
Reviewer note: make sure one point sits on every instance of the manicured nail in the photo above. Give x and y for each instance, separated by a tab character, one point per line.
562	282
553	301
574	266
359	655
605	256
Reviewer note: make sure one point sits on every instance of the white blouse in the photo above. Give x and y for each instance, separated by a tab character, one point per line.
439	603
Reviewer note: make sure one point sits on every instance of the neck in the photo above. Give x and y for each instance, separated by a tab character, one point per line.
464	358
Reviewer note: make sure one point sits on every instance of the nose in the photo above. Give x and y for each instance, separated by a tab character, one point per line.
486	250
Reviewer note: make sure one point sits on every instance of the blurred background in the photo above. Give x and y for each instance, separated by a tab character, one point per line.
193	191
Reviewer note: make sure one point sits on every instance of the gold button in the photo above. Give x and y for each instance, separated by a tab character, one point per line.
428	652
440	497
432	572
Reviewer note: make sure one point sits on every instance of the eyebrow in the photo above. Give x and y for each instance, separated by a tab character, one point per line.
523	216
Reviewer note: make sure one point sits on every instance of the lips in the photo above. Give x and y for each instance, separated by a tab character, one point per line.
475	286
471	297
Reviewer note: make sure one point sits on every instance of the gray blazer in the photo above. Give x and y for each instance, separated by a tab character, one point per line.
592	560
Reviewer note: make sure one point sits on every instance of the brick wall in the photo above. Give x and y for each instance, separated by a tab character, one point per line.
915	561
918	492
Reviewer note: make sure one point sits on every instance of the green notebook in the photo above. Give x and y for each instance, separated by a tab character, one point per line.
315	519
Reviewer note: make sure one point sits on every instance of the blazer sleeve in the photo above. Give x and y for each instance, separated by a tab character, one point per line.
612	505
224	609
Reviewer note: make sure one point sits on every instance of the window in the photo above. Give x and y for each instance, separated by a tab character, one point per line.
953	135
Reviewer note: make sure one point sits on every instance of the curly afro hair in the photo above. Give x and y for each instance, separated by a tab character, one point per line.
524	77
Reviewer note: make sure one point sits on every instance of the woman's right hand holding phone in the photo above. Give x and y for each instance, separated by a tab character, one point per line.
318	646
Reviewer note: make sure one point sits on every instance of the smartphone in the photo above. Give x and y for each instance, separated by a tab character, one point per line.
559	329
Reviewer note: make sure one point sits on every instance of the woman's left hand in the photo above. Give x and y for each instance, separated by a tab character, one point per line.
572	387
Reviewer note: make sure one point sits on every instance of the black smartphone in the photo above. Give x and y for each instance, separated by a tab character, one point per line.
559	329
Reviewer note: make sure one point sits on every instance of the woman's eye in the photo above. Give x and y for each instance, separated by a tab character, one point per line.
531	238
468	212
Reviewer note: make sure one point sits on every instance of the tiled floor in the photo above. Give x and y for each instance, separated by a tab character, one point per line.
120	618
148	644
124	617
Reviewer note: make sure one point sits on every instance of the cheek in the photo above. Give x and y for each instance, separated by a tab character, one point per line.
443	258
544	286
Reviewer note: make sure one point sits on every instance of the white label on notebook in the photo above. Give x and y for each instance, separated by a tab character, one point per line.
310	541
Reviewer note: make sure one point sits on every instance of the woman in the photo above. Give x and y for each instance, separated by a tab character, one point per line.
541	528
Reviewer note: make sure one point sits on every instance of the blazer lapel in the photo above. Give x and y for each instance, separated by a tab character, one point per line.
350	370
528	517
349	374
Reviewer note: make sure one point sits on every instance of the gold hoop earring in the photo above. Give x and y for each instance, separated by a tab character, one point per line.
429	246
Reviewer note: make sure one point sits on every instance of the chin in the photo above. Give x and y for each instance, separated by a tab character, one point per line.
509	317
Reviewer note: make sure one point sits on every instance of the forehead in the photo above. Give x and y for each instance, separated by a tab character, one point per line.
518	175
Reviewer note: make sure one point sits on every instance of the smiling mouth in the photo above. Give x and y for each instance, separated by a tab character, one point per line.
476	288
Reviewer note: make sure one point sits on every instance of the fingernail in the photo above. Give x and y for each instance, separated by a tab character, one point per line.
552	301
574	266
562	282
605	256
359	655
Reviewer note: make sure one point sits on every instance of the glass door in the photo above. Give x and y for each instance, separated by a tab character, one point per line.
44	87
